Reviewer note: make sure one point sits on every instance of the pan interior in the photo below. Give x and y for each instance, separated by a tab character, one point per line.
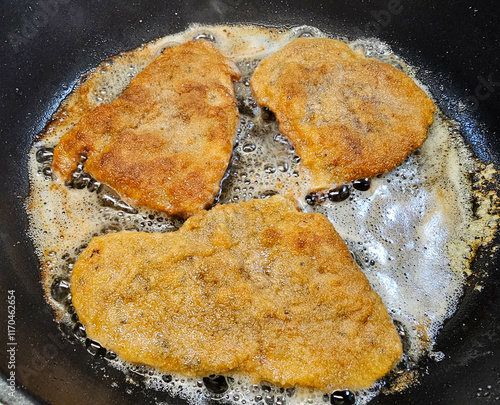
413	233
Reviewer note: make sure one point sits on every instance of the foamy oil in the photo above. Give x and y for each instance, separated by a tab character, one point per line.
412	231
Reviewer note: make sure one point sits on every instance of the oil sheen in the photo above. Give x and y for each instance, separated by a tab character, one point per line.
413	232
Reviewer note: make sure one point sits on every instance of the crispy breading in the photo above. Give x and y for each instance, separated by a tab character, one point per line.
166	141
256	288
348	116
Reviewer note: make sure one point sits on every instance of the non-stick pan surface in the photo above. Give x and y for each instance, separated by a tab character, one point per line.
47	44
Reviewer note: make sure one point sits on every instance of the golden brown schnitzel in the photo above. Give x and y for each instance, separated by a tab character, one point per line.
256	288
348	116
166	141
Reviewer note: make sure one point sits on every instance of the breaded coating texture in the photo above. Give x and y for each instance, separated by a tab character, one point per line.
166	142
255	288
348	116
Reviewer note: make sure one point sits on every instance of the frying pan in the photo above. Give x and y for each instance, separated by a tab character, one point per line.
47	44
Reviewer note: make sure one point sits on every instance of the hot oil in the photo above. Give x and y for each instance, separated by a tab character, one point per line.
412	230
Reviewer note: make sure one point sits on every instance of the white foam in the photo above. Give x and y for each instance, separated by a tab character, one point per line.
410	233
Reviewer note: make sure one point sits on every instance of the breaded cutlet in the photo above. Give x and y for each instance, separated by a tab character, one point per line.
166	142
348	116
257	288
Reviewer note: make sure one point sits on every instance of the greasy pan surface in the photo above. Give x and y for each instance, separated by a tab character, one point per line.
47	44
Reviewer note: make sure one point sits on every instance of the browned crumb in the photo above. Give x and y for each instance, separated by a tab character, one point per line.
256	288
348	116
166	141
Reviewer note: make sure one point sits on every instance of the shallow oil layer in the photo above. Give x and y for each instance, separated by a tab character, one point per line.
412	232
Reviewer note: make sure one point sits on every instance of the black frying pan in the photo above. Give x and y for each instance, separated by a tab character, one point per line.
47	44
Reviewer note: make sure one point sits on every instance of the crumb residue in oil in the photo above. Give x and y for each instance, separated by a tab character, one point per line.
412	231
